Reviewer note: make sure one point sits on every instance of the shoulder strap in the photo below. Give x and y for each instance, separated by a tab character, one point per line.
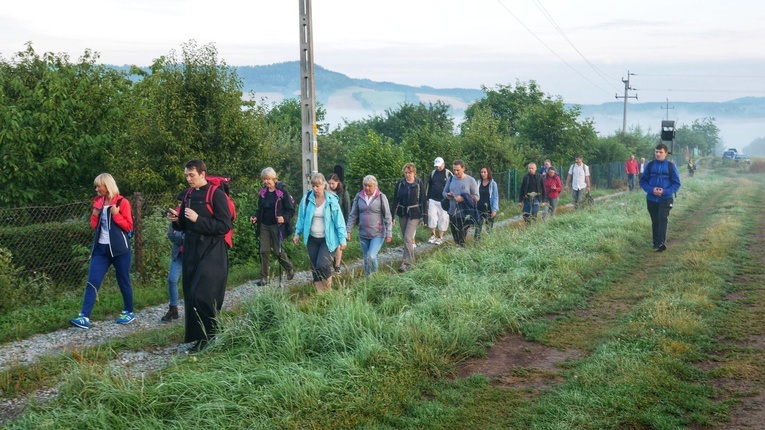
305	200
382	206
209	197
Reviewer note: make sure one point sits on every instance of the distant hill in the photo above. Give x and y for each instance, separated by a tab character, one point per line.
284	79
740	121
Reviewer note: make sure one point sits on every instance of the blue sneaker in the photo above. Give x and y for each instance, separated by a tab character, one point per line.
81	321
126	317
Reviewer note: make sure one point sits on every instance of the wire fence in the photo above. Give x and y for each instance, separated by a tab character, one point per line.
53	242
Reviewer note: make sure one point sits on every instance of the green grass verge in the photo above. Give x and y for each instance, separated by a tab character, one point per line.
375	354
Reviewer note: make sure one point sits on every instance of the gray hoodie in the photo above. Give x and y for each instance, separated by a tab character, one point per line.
374	220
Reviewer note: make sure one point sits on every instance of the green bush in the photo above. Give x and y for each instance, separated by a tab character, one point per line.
17	289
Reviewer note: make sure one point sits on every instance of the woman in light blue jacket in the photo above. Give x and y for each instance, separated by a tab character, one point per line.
488	200
320	220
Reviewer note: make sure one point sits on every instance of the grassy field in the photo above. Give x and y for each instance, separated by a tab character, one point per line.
655	333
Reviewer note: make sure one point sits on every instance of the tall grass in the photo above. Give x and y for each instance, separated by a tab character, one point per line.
367	356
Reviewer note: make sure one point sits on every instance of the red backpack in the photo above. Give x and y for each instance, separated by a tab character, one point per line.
221	182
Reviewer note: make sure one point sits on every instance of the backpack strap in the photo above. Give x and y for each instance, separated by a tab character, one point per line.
209	197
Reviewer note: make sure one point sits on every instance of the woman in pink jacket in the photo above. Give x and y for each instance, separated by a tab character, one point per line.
552	190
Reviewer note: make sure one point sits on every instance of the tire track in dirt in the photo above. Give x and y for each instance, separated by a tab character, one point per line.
738	365
532	367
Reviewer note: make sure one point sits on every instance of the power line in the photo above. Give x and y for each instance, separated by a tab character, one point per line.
548	48
692	90
549	17
704	76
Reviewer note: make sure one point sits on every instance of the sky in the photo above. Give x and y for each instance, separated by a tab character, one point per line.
580	50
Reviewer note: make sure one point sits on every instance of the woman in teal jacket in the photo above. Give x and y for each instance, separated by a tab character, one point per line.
320	220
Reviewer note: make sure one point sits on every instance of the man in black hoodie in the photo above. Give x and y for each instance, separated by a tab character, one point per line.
532	193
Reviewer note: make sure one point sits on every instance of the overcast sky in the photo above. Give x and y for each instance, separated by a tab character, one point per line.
680	50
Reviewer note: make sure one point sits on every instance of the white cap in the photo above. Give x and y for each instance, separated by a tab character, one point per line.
438	162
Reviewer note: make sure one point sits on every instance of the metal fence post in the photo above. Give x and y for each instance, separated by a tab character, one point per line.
138	235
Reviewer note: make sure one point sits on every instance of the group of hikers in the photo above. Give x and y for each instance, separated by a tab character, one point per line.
200	227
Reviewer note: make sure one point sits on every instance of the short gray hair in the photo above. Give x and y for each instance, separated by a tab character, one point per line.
369	179
268	173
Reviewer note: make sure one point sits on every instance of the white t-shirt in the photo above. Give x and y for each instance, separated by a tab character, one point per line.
317	222
103	235
578	173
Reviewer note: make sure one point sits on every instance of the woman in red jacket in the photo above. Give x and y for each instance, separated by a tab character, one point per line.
112	219
552	190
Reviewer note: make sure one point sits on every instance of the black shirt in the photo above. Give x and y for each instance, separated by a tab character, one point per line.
436	185
268	210
484	204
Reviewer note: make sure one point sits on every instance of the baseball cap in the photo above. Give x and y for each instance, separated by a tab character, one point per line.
438	162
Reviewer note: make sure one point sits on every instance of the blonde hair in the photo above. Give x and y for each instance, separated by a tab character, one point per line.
106	180
409	166
319	179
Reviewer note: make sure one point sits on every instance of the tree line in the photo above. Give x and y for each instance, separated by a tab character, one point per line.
62	122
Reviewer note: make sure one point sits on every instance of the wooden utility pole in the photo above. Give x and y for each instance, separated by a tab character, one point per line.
307	96
627	87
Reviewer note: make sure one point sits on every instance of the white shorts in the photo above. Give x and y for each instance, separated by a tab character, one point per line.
437	217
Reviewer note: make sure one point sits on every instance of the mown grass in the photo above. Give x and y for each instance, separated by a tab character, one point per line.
375	354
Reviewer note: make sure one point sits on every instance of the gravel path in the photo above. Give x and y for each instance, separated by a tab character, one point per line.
133	363
145	362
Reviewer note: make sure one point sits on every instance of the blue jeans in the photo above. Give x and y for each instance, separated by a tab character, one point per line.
99	264
530	209
631	181
369	250
176	267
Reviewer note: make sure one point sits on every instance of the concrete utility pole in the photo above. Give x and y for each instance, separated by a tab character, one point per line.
307	96
668	108
627	87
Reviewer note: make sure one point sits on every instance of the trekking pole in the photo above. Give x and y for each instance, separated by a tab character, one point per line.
531	196
257	241
280	243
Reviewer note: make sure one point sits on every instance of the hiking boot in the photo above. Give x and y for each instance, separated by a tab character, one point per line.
172	314
261	283
661	248
403	268
290	275
432	239
125	318
81	321
337	270
199	346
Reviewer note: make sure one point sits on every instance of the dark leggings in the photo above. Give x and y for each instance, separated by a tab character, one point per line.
320	257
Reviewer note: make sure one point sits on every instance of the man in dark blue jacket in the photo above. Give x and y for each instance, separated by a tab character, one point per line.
660	180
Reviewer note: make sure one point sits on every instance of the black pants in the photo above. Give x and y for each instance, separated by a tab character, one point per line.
459	229
270	240
485	219
320	257
659	218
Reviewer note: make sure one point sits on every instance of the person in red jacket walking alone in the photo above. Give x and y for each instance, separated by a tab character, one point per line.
631	166
553	186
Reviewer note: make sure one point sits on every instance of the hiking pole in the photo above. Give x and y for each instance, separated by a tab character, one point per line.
531	196
280	243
